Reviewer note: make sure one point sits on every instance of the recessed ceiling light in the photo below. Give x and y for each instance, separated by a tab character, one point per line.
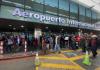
22	26
14	28
10	25
62	29
32	0
46	27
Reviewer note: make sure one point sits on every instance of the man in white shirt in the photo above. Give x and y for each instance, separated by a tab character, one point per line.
57	44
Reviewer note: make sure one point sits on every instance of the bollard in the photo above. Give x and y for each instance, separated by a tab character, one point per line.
25	48
1	47
36	68
77	44
37	61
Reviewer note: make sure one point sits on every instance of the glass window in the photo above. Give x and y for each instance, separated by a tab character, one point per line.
38	1
98	17
81	13
94	17
51	6
64	8
88	15
0	2
73	10
16	3
36	5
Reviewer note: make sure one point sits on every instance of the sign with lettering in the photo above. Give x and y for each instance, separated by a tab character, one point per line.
49	18
33	16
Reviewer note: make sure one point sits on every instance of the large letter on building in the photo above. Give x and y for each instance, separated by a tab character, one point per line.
17	12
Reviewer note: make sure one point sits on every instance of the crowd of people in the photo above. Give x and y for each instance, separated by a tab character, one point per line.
50	42
12	43
85	41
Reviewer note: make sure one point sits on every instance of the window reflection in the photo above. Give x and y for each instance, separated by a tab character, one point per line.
88	15
0	2
73	10
55	7
36	5
51	6
17	3
94	17
82	13
64	8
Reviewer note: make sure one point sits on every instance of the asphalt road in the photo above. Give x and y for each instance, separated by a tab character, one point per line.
95	63
18	64
28	64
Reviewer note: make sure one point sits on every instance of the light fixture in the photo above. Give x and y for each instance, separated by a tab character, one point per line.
22	26
10	25
32	0
62	29
46	27
14	28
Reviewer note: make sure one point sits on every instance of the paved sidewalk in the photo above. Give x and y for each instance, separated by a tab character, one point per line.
67	53
57	62
16	55
66	60
95	63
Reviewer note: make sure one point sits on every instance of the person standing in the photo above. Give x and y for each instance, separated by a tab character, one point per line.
94	45
82	44
62	41
51	43
35	43
44	49
57	44
73	43
9	44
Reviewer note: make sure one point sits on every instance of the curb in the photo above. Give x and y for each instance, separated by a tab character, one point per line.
17	57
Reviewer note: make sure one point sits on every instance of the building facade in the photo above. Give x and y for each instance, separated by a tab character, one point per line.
44	13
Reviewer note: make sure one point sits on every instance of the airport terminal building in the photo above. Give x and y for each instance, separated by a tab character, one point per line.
38	16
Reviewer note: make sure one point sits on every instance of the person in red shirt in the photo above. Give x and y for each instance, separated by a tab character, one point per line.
78	38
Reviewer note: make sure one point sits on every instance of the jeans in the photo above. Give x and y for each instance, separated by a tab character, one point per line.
57	48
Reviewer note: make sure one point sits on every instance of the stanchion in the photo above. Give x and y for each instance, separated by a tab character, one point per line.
1	47
25	48
77	45
36	68
37	61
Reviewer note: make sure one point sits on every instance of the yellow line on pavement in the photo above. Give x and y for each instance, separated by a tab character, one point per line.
76	58
36	68
54	58
97	68
77	64
63	66
75	67
62	58
70	50
67	51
